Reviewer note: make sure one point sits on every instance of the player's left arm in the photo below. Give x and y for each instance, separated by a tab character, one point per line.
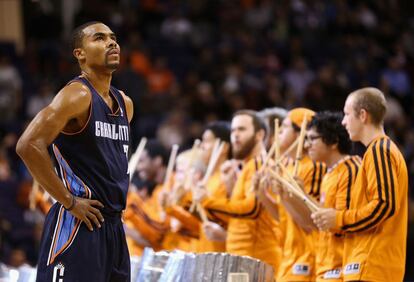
129	106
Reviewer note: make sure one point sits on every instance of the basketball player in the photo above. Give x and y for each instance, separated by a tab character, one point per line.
86	129
376	221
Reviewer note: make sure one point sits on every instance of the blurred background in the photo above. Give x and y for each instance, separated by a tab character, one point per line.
185	63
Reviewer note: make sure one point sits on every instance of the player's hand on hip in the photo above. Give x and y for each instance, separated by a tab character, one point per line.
87	211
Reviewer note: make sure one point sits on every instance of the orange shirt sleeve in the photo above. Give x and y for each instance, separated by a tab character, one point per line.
217	190
243	202
43	204
246	207
146	223
345	182
188	221
379	169
146	230
311	173
313	184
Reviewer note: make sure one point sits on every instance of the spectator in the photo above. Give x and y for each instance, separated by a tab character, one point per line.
160	79
40	100
298	77
396	77
10	90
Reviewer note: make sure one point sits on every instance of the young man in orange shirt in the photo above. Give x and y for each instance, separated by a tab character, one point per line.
376	221
144	225
213	233
328	142
298	250
250	228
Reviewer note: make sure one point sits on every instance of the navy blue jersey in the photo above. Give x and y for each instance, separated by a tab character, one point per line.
93	162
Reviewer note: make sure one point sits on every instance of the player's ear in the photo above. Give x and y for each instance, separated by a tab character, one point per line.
79	54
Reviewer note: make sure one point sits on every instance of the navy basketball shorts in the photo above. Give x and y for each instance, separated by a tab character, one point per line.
70	252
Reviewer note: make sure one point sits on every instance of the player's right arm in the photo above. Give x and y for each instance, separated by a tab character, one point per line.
71	104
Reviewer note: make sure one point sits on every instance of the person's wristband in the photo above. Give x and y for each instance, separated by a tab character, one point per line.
72	204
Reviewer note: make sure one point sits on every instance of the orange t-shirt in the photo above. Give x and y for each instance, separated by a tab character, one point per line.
216	190
376	221
298	257
159	81
251	228
146	217
335	193
140	63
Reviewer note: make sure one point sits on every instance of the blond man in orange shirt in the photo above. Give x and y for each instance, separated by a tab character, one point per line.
375	224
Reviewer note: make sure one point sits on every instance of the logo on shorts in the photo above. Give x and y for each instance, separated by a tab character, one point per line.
301	269
58	272
352	268
332	274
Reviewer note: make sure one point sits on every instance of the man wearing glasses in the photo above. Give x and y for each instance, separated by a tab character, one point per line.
327	141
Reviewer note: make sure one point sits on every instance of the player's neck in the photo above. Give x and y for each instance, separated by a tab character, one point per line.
370	133
100	81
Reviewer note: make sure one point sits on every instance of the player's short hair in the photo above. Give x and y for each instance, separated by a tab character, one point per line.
329	127
371	100
78	34
258	122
